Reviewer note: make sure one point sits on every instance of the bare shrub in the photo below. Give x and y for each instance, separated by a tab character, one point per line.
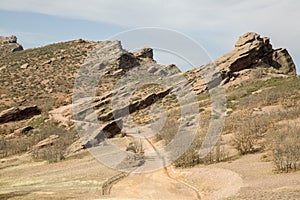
248	130
286	148
12	146
217	153
55	150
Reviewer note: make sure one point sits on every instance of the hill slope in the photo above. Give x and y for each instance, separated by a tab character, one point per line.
36	119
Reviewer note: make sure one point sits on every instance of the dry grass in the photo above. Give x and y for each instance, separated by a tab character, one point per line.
49	78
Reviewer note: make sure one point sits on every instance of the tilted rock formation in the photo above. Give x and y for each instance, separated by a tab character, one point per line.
251	52
119	62
15	113
9	45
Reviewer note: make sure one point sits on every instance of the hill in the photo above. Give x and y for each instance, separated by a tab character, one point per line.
38	121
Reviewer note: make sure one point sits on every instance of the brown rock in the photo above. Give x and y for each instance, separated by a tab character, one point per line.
23	130
127	61
249	49
251	52
282	61
15	114
47	142
9	45
113	128
132	107
247	38
24	66
145	52
8	40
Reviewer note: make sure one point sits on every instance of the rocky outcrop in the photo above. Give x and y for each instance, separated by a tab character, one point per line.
251	50
18	113
145	52
282	61
9	45
134	106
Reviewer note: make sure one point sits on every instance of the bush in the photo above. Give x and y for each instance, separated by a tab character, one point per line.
248	130
286	148
54	151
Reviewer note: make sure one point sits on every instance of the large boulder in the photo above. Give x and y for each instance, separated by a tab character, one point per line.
9	45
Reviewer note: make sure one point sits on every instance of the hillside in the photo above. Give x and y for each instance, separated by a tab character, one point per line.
39	123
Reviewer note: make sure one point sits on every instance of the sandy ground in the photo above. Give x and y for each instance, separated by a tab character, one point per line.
156	185
82	177
79	178
245	178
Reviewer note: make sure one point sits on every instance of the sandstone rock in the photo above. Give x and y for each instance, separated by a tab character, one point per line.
247	38
47	62
251	51
7	40
112	128
145	52
24	66
127	61
250	48
137	105
23	130
282	61
9	45
46	142
15	113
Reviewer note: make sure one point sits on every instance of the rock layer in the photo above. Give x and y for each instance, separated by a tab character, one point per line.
251	52
16	113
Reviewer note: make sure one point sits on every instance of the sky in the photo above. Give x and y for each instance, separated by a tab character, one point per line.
214	24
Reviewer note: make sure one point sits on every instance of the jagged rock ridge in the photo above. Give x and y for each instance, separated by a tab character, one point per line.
251	52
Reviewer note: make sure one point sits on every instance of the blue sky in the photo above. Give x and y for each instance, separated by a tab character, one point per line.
214	24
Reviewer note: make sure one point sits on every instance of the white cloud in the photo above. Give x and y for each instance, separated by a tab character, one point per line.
227	19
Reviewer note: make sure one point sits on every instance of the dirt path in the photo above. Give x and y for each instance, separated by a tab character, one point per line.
167	183
155	185
171	183
59	113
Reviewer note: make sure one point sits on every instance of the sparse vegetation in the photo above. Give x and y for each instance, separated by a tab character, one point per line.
285	146
248	130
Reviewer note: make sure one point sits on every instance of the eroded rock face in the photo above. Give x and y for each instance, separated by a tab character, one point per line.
18	113
283	61
9	45
251	49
